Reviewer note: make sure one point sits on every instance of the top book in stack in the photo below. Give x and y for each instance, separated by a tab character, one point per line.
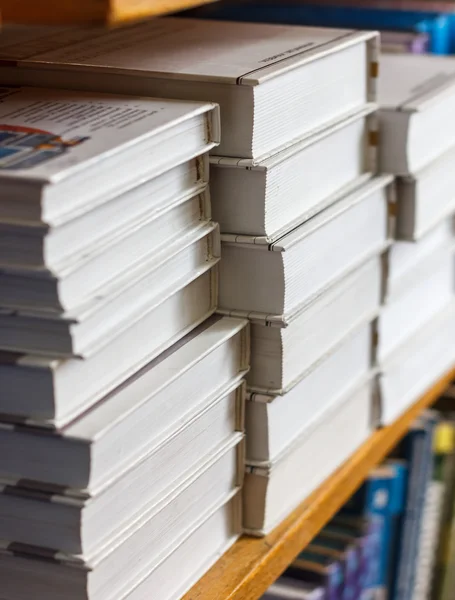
275	84
64	154
417	104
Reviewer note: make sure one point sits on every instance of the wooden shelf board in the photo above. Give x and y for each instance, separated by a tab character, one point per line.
252	565
74	12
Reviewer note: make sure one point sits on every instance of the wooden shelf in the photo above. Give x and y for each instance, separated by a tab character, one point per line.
251	565
73	12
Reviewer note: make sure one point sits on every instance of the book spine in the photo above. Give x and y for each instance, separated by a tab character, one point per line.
426	547
419	446
427	471
377	500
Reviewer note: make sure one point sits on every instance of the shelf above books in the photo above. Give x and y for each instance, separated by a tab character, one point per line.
427	6
252	565
69	12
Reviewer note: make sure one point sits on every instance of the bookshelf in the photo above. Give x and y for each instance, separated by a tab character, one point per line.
71	12
252	565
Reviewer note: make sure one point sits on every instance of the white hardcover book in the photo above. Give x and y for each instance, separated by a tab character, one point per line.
270	493
416	97
417	364
161	398
128	573
412	306
34	245
74	524
65	152
284	350
86	331
273	423
405	260
275	84
57	383
248	199
425	199
308	260
75	282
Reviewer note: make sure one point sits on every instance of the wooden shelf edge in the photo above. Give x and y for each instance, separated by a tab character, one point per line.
252	565
80	12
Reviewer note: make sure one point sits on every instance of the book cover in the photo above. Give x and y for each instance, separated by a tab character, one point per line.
238	54
50	134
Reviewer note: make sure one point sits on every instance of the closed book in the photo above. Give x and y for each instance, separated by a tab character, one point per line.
247	197
410	307
130	570
161	398
314	567
427	541
275	422
417	449
416	364
271	492
425	198
291	588
406	261
306	261
363	533
287	81
416	99
86	147
49	391
349	555
77	282
281	355
85	330
381	498
40	246
73	523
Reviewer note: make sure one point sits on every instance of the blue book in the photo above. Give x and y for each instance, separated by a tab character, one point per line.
321	570
348	553
417	448
381	499
363	533
439	27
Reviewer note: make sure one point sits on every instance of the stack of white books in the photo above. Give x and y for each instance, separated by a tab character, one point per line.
105	225
303	218
121	393
417	144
